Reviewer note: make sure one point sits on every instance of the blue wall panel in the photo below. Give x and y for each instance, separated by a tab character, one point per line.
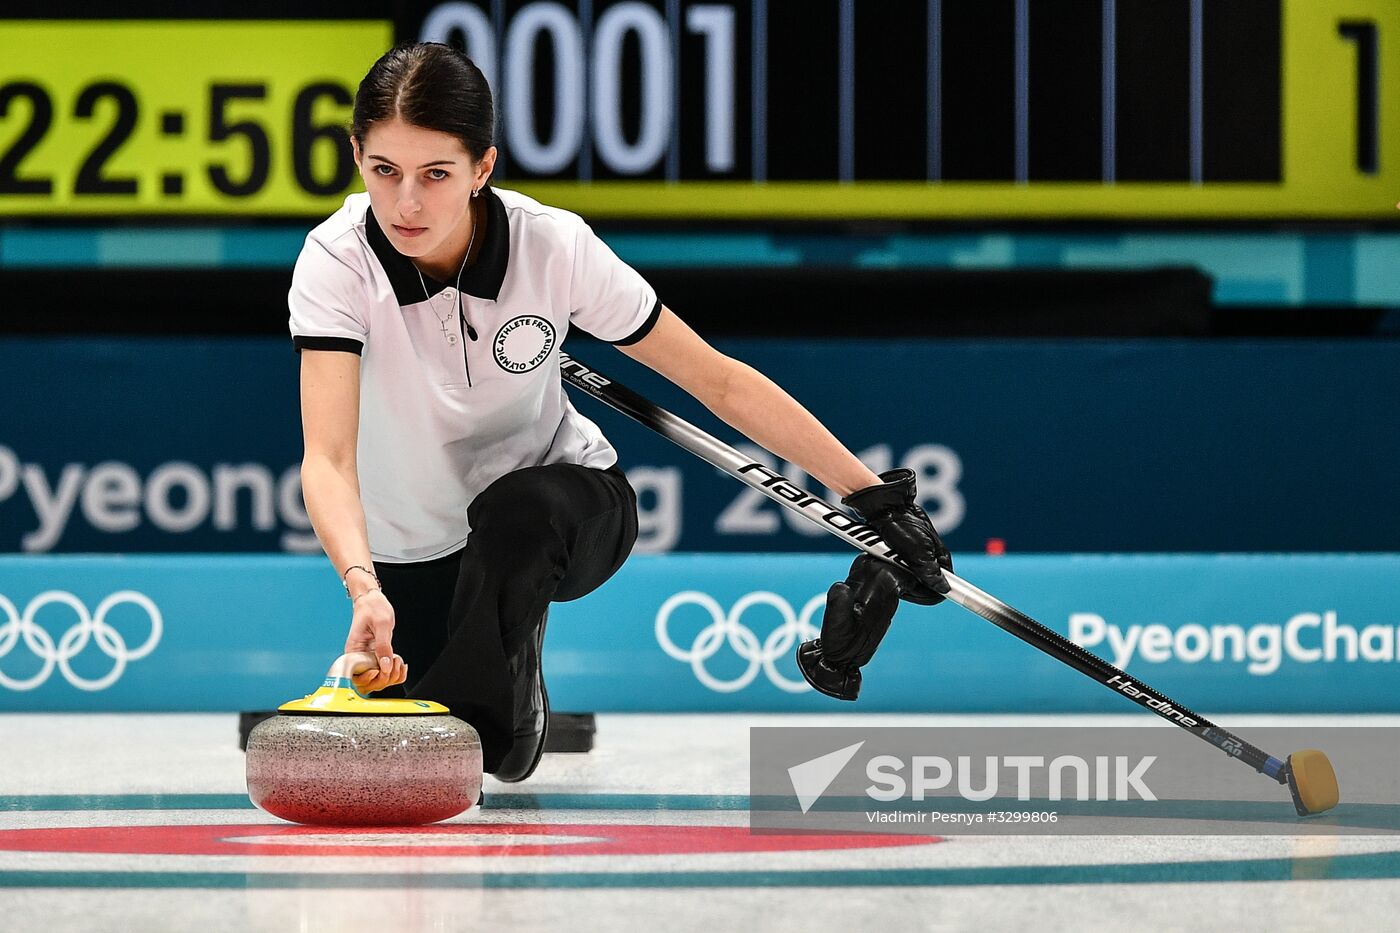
1103	446
1225	633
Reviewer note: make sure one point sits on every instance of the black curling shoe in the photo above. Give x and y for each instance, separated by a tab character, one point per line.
531	711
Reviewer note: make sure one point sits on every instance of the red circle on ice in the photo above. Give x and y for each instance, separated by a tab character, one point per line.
488	839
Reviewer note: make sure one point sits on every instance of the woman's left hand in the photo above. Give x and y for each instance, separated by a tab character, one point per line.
890	508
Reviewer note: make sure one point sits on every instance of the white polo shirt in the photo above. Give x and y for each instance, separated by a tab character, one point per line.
456	390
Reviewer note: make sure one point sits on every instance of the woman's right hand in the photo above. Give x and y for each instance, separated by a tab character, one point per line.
371	634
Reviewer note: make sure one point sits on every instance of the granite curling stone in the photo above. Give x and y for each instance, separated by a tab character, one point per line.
336	758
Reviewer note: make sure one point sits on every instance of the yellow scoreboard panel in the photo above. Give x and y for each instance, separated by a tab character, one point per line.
179	117
228	117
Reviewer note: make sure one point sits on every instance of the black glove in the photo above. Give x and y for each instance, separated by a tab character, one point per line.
891	510
858	613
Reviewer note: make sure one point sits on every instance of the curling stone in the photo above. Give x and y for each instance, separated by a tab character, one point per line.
338	758
1312	781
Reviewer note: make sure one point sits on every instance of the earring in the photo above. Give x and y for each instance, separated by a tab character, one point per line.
476	191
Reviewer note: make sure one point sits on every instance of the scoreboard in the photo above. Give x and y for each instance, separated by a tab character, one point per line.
1006	110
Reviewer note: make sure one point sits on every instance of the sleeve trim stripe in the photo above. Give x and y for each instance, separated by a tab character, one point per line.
345	344
645	329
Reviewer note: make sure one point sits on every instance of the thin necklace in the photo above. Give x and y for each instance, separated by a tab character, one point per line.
451	337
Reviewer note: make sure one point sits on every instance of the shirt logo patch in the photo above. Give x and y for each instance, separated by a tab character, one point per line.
523	343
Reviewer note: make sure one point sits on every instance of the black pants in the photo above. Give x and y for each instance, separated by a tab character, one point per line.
540	534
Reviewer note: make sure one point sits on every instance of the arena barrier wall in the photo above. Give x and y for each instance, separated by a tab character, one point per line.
1234	633
193	445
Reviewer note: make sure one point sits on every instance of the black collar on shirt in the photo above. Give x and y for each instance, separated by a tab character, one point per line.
482	279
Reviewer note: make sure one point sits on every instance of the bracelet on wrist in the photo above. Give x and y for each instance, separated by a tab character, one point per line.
345	581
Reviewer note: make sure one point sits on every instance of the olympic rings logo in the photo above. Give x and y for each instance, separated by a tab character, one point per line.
89	626
726	629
